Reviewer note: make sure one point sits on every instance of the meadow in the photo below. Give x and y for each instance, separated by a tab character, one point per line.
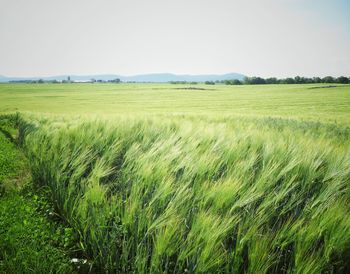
170	179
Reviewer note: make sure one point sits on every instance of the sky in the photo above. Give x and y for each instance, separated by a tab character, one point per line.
264	38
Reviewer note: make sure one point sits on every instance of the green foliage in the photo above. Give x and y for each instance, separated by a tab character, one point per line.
296	80
232	82
199	194
30	243
11	160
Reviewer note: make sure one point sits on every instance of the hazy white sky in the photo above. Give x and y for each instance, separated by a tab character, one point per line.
254	37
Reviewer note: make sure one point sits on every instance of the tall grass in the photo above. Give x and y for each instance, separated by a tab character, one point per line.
173	194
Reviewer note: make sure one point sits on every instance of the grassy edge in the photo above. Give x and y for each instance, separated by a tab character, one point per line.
33	239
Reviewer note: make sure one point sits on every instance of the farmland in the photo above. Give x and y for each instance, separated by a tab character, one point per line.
308	102
200	179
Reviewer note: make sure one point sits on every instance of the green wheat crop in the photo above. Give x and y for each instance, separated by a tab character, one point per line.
204	194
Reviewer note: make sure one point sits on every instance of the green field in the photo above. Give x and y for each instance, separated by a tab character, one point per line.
161	178
310	102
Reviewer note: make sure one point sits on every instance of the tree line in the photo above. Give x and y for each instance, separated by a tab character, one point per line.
273	80
296	80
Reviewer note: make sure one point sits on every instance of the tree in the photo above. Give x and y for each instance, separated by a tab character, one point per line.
271	80
288	80
116	80
317	80
297	80
328	79
232	82
236	82
254	80
301	80
343	80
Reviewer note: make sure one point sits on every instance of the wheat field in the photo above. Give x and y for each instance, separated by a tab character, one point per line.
167	178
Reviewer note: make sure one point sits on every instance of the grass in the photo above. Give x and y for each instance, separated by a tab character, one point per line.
31	241
286	101
237	179
12	161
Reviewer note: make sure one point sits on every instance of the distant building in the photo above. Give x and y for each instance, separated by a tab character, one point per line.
68	78
84	81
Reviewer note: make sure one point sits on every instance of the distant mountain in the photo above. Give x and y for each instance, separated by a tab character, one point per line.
3	79
153	77
167	77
